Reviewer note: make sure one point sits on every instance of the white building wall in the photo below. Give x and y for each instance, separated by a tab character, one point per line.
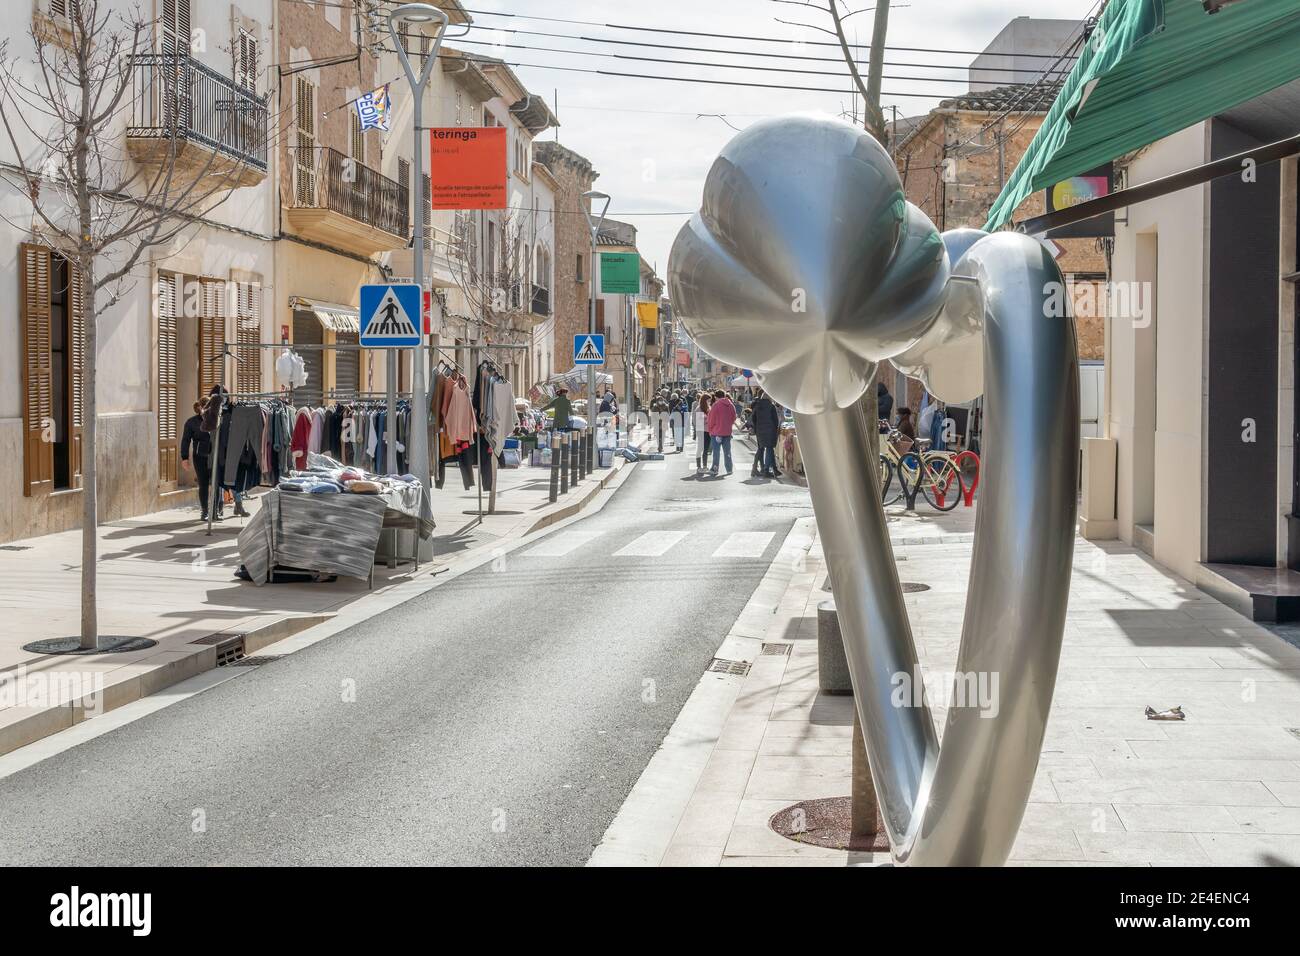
1157	367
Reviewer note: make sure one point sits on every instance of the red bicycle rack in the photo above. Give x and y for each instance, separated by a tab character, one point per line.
969	493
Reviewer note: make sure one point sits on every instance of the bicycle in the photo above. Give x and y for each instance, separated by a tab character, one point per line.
936	472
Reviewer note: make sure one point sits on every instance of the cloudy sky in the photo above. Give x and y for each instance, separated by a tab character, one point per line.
647	137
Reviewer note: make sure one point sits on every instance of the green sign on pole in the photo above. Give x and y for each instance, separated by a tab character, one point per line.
620	273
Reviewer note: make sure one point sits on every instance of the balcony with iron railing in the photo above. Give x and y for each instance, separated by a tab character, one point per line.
202	124
344	203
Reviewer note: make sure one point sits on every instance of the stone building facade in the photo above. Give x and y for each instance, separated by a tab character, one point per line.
574	176
954	163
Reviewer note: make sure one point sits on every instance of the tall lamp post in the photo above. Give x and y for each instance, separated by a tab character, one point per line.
594	225
418	13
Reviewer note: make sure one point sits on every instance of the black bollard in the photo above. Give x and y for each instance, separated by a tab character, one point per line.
564	463
555	468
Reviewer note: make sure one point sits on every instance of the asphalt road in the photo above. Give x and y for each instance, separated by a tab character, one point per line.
500	718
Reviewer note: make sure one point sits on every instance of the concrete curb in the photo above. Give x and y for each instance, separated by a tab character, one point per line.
643	829
21	726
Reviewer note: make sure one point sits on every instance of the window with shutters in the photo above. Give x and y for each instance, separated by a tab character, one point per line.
600	316
358	139
248	332
64	10
304	142
169	305
175	39
212	334
52	318
246	60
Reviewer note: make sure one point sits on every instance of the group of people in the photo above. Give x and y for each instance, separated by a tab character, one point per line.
713	418
196	452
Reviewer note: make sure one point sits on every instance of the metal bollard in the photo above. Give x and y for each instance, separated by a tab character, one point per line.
564	463
582	457
555	467
573	460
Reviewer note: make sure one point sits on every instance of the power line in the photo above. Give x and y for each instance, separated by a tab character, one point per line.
726	36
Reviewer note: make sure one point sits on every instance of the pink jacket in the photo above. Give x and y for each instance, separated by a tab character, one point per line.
721	417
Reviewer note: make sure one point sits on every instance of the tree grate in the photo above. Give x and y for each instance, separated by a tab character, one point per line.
721	666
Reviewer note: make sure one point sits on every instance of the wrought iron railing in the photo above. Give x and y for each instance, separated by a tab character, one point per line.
324	178
541	301
175	96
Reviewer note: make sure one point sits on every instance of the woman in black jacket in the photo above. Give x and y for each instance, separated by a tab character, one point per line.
767	429
197	443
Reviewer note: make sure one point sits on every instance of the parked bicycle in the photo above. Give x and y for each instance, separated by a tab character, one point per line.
904	465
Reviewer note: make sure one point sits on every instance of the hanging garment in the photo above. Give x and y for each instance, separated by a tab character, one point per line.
460	422
301	440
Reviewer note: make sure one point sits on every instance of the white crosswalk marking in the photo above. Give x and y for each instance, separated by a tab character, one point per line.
652	544
558	545
745	544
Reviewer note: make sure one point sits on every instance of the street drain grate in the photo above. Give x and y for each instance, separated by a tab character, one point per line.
721	666
910	587
777	650
255	661
1293	731
15	547
230	647
672	508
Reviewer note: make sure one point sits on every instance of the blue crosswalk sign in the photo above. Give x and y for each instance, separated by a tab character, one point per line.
588	349
390	315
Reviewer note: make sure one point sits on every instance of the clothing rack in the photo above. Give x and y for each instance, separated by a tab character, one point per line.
476	353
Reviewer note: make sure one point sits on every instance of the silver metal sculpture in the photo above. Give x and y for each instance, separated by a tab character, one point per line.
807	264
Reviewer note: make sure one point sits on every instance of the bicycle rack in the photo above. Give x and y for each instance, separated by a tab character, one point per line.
969	493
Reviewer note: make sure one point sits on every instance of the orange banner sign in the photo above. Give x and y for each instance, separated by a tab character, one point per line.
467	167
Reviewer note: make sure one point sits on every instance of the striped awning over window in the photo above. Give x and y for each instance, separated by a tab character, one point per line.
1152	68
333	317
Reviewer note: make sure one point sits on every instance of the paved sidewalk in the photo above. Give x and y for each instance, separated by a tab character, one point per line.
161	576
1113	788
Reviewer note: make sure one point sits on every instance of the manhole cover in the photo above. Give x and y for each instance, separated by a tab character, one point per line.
800	505
688	501
826	823
672	508
108	644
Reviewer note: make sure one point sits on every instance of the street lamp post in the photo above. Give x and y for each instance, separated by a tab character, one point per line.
418	13
594	225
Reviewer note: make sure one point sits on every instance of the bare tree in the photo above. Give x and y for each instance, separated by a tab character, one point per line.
496	282
838	14
63	114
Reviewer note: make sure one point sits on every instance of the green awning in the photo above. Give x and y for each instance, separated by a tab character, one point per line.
1152	68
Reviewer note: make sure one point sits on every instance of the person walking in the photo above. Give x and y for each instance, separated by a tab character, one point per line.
767	428
721	421
562	408
659	409
679	411
702	403
196	450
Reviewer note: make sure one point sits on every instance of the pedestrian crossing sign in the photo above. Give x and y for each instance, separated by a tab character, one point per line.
589	349
389	314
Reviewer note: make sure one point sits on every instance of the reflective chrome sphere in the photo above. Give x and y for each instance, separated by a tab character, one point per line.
806	263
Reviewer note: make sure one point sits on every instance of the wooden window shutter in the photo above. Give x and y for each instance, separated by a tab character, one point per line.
358	139
249	367
305	143
600	316
168	334
212	334
38	378
76	381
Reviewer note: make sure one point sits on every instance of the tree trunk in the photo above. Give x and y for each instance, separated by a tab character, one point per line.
89	469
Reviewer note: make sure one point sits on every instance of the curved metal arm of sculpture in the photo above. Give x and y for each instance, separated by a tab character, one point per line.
960	804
